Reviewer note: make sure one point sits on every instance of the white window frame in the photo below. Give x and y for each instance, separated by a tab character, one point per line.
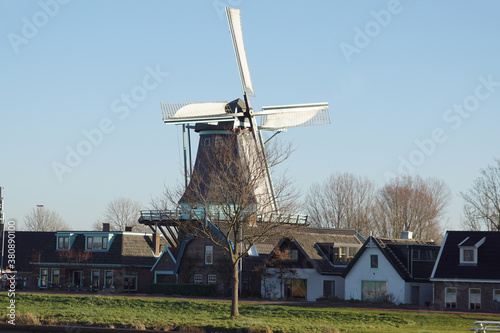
446	300
462	255
209	255
477	305
212	279
198	278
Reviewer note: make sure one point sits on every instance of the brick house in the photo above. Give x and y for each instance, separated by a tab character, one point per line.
466	275
87	260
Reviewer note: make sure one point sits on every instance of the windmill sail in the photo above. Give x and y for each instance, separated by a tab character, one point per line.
285	116
234	19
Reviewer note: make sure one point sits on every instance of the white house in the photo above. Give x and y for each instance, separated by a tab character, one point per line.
314	261
394	270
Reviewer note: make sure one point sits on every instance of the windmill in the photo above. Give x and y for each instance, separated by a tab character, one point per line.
221	123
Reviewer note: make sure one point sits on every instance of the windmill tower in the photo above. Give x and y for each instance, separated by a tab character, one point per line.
234	124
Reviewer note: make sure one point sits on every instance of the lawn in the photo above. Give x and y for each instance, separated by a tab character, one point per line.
167	313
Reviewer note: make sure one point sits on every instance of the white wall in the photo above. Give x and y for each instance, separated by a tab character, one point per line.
361	271
270	287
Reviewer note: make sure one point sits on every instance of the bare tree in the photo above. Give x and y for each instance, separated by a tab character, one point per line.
482	200
409	203
228	200
121	213
342	201
163	201
43	219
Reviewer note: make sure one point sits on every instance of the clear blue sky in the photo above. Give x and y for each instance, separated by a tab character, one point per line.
411	85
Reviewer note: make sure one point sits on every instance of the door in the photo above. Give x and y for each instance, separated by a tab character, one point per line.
415	295
77	278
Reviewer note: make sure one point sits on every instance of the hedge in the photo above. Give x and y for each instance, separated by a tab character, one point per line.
182	289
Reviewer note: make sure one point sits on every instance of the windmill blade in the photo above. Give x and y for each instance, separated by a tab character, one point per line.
185	113
234	21
296	115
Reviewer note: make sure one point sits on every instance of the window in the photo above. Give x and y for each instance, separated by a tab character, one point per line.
469	250
345	253
212	279
97	243
63	243
130	281
108	279
468	255
352	253
328	289
374	261
55	275
198	278
373	291
341	253
95	279
416	254
292	255
296	288
450	297
44	276
209	255
496	295
474	298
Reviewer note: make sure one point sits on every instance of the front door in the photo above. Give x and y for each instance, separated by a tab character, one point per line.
77	278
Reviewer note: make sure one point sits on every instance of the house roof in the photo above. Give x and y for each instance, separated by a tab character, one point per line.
26	243
309	241
399	253
448	265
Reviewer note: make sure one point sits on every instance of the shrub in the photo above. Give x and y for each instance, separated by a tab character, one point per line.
27	318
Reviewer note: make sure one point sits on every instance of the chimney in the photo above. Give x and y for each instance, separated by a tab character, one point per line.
406	235
105	227
156	243
127	228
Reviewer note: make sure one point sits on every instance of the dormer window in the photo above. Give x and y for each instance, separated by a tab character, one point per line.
97	242
64	240
63	243
469	251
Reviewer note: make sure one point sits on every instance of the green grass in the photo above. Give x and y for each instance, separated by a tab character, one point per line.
166	313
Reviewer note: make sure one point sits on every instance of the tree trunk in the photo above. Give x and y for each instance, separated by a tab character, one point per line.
234	301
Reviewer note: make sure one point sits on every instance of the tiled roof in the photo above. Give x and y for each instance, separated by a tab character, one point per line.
308	239
383	241
399	253
26	244
448	266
